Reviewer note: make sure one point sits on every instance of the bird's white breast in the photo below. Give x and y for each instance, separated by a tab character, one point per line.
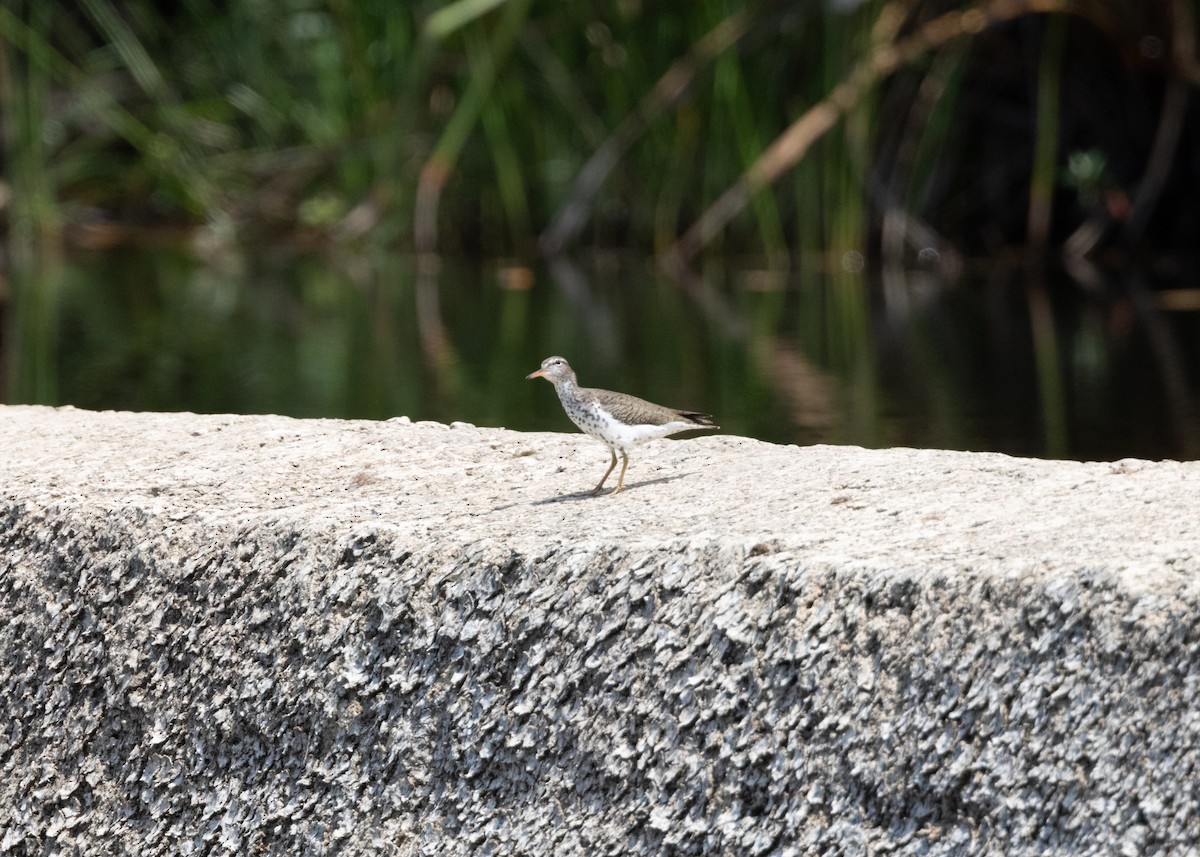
600	425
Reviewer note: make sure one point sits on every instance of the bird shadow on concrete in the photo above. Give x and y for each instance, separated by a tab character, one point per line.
588	495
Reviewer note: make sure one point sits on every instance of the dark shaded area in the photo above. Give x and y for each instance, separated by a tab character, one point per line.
1114	110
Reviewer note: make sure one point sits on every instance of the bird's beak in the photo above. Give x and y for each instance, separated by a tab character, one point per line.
538	374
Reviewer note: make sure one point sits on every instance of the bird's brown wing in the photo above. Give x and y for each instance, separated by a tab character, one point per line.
631	409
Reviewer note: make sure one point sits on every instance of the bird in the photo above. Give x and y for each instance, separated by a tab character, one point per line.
618	420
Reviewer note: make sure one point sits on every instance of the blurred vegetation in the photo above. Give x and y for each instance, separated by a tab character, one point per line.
476	126
807	173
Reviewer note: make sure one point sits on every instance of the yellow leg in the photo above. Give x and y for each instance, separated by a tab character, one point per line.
624	466
596	490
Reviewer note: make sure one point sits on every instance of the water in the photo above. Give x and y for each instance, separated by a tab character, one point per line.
998	363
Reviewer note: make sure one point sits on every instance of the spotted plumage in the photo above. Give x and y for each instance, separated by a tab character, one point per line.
618	420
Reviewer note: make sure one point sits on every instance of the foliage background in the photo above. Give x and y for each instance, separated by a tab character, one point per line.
332	120
806	175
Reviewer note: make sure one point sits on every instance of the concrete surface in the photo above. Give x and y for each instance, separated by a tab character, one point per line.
258	635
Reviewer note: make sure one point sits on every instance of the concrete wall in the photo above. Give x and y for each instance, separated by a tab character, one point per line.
252	635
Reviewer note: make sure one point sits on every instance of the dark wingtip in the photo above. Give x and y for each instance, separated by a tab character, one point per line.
699	419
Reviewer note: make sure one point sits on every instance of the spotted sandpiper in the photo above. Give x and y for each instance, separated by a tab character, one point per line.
618	420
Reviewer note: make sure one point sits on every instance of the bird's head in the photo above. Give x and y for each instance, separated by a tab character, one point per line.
553	369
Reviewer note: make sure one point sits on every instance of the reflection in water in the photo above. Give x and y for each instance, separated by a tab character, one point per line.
802	388
1171	365
601	330
1049	369
29	338
436	343
1008	363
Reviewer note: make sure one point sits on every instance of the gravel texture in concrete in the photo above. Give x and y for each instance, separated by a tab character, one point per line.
259	635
